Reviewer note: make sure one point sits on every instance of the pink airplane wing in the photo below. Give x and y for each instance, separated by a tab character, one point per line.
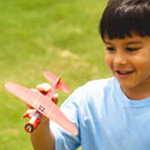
51	78
43	105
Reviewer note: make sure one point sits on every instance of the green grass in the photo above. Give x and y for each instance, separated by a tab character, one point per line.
59	36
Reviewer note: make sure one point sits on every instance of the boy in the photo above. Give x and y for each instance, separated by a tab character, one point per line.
113	113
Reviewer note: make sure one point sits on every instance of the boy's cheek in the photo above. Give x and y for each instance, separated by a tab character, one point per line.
108	61
110	67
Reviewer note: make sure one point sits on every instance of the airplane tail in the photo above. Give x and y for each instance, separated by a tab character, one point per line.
52	78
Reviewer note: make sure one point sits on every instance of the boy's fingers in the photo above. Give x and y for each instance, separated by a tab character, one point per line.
55	98
44	87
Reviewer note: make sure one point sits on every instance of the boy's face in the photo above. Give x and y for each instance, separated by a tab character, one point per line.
129	61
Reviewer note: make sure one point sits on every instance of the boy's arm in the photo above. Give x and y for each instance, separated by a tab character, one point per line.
43	139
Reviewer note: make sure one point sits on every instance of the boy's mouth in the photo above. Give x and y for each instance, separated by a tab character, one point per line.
124	72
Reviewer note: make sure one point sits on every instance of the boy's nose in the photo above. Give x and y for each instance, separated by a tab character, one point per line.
120	59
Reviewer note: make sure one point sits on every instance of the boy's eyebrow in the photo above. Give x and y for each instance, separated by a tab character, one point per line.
134	42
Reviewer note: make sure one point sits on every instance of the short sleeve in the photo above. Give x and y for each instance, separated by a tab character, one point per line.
64	140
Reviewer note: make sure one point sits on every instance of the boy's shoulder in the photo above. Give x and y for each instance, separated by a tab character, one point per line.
98	86
95	90
100	83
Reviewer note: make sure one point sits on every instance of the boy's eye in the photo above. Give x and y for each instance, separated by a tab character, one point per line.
131	49
110	48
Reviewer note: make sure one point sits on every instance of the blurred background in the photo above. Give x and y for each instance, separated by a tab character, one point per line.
54	35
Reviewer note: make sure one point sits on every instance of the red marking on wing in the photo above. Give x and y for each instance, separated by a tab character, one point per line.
43	105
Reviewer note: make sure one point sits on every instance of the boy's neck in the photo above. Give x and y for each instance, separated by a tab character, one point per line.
137	93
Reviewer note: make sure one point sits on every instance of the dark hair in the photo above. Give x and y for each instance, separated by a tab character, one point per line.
123	16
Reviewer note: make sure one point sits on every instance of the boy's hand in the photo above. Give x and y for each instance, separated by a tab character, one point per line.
44	88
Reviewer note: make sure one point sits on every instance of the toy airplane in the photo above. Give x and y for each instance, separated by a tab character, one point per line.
43	104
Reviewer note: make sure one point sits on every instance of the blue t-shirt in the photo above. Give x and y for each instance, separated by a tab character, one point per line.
106	119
